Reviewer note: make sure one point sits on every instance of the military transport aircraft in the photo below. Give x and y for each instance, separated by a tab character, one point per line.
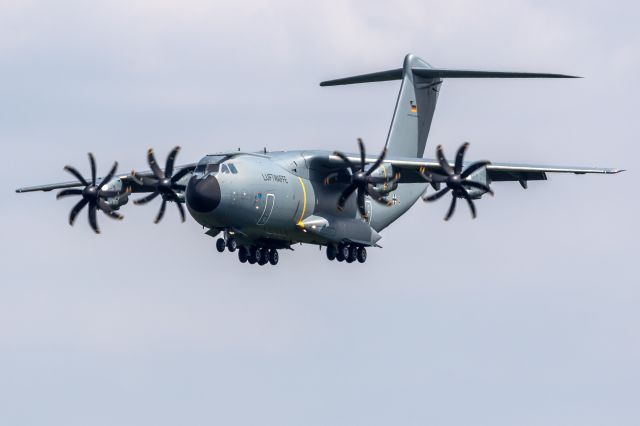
260	202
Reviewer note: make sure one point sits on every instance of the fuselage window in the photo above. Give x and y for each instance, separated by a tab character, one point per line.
233	169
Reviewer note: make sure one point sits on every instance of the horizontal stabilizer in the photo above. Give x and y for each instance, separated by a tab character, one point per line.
396	74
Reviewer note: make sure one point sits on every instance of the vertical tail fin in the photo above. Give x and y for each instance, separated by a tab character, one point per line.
414	110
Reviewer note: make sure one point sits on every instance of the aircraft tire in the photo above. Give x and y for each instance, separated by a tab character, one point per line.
259	255
353	254
243	255
331	252
273	256
232	244
362	254
343	250
252	255
220	245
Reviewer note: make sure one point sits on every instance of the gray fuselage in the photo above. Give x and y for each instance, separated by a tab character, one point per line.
281	198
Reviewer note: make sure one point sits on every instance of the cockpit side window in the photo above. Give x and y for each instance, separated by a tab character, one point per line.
213	167
224	169
200	168
233	169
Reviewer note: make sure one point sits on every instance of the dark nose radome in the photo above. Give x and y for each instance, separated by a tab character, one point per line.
203	195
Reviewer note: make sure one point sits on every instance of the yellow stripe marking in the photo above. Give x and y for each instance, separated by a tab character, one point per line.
304	203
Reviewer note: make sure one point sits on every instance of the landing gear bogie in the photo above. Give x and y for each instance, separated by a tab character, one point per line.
347	252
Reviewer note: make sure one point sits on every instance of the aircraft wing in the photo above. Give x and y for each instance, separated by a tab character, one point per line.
126	179
497	172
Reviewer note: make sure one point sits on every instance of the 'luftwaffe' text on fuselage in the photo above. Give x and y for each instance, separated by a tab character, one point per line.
270	177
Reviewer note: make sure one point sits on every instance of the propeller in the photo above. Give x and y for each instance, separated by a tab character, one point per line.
455	179
163	183
91	194
362	183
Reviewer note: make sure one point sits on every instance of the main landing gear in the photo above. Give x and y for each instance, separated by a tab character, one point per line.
259	255
252	254
347	252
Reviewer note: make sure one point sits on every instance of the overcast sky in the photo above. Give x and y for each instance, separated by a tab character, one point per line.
527	315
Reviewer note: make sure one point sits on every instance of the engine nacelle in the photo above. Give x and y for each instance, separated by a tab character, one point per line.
116	202
479	176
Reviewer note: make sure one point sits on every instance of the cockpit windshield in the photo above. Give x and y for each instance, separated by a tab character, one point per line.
209	164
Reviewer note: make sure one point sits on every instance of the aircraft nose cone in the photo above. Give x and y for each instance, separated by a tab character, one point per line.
203	195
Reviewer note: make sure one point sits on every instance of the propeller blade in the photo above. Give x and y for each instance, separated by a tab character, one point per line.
106	208
443	161
143	180
379	161
363	153
431	177
345	195
181	210
92	161
92	217
376	180
437	195
435	185
146	199
151	159
460	157
345	160
452	208
109	194
474	184
68	192
473	167
180	174
472	207
76	209
378	196
110	175
331	178
76	174
163	206
168	169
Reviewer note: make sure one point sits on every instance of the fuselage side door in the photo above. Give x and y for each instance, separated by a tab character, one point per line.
268	208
